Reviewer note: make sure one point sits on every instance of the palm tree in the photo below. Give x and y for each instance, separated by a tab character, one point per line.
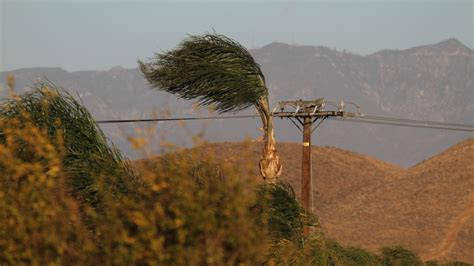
215	69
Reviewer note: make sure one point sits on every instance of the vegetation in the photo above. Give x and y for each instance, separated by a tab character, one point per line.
68	197
399	256
86	153
50	168
286	218
40	222
217	70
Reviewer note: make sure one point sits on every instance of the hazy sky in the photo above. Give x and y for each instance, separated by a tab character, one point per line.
90	35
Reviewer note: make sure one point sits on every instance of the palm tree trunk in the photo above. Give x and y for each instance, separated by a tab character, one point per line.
270	165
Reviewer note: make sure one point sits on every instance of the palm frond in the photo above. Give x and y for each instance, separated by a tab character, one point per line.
211	68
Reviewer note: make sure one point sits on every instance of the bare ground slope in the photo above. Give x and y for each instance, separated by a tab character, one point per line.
428	208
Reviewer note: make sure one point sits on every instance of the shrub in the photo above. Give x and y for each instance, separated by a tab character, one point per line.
39	223
397	255
86	155
187	211
286	217
339	255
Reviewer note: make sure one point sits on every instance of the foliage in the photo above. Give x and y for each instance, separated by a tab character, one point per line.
397	255
310	252
182	219
339	255
218	70
189	209
286	217
39	220
87	154
186	212
212	68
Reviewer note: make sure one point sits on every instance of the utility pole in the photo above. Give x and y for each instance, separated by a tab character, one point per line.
306	168
305	114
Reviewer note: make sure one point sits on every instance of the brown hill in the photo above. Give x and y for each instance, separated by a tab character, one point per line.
428	209
365	202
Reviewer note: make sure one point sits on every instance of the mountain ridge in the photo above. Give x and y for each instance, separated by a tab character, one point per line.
447	42
445	46
436	88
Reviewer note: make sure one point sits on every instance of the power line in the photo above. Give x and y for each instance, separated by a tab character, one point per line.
416	121
366	119
419	125
172	119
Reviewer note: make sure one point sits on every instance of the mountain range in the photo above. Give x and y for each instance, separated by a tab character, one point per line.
431	82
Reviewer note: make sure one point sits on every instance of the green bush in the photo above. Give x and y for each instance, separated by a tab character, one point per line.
397	255
87	154
339	255
286	217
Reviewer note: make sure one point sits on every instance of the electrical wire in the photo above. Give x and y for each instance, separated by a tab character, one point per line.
365	119
416	121
419	125
172	119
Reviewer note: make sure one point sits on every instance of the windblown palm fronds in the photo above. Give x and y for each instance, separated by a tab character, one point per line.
212	68
87	154
217	70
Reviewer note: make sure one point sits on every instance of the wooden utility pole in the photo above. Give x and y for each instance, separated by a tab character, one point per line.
306	167
307	113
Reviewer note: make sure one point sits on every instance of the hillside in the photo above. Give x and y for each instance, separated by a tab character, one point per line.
428	208
365	202
429	82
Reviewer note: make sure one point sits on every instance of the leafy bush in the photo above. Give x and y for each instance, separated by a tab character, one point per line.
86	155
339	255
185	212
399	256
179	220
286	217
40	222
